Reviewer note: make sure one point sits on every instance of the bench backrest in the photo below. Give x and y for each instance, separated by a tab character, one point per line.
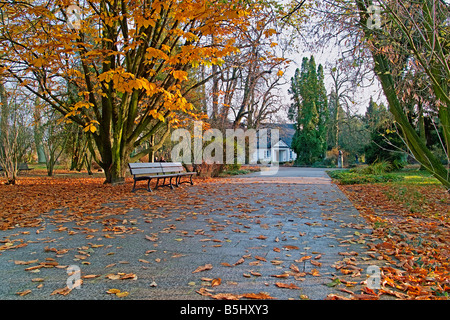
20	166
145	168
172	167
155	168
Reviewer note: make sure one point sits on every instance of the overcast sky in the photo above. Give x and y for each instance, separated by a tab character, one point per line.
325	56
330	55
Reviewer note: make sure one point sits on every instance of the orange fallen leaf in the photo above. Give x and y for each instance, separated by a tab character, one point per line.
286	286
241	260
283	275
260	296
225	296
153	239
216	282
19	262
316	263
63	291
204	292
126	276
315	273
203	268
122	294
23	293
294	268
113	291
303	258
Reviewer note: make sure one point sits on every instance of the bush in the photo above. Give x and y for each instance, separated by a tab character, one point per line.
206	170
326	163
375	168
349	177
398	164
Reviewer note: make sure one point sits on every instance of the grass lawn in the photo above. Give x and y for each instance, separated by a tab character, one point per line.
411	176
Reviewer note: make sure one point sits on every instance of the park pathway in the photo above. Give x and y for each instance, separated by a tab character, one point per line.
257	233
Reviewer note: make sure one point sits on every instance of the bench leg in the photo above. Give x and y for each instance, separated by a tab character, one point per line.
148	186
170	183
192	182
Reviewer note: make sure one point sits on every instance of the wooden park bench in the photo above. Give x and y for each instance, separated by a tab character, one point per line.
158	171
20	167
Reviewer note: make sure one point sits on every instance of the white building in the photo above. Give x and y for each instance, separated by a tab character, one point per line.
279	152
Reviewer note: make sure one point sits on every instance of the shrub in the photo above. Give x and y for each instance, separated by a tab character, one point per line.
375	168
349	177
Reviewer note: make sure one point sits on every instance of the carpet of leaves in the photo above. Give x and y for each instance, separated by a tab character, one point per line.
24	203
412	224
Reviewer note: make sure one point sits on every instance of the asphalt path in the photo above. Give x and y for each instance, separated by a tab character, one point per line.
292	227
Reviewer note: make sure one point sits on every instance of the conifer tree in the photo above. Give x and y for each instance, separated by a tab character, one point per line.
310	111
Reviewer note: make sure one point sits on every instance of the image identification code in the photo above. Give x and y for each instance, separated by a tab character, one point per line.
229	309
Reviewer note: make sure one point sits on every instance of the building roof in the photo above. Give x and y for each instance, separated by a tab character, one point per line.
286	132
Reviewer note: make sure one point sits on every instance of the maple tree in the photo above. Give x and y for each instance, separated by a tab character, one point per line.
244	89
116	68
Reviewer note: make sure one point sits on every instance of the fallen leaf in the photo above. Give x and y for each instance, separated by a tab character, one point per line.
113	291
203	268
19	262
216	282
303	258
63	291
316	263
204	292
259	296
294	268
131	276
153	239
290	247
122	294
334	283
287	286
315	273
23	293
113	276
283	275
225	296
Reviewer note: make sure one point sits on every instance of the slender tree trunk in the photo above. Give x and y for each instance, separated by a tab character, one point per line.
414	142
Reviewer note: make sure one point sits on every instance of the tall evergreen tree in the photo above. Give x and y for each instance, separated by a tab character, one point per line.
309	109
